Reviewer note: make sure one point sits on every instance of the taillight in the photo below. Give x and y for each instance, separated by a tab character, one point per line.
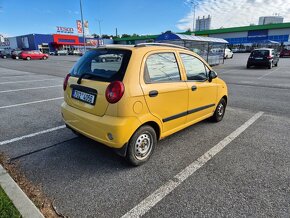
65	82
269	57
115	91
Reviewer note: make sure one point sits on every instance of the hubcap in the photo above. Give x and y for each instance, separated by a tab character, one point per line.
220	109
143	146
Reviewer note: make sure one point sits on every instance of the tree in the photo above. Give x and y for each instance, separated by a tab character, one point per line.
125	36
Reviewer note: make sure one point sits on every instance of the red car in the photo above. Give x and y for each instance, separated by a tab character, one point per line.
284	53
28	55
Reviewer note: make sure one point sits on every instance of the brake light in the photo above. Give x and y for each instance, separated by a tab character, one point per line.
269	57
114	92
65	82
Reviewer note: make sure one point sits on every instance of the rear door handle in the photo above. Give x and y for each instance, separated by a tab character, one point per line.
193	88
153	93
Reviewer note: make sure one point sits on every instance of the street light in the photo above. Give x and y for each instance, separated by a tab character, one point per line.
100	30
194	6
81	8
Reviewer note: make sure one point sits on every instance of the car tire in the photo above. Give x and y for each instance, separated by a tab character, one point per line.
103	60
232	56
270	65
44	58
248	66
219	111
141	145
28	58
16	58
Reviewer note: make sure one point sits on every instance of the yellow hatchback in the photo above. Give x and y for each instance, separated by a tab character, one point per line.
129	97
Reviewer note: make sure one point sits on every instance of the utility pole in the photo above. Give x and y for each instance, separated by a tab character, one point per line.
81	8
100	29
193	6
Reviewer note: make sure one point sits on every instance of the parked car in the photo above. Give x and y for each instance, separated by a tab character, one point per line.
15	54
61	52
154	91
228	53
109	58
77	52
4	54
267	57
28	55
285	53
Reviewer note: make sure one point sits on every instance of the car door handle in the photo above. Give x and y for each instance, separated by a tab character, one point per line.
193	88
153	93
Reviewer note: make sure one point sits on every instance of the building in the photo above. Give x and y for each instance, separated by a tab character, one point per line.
49	43
247	37
270	20
203	23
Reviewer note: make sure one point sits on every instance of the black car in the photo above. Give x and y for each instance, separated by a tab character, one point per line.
267	57
4	54
15	54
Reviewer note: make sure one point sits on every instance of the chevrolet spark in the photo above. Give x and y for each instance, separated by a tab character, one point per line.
149	92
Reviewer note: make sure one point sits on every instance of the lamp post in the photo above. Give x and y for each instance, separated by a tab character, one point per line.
100	29
194	6
81	8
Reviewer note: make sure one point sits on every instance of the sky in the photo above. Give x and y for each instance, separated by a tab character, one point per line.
18	17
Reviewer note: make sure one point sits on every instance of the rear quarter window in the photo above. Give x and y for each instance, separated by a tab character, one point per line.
104	64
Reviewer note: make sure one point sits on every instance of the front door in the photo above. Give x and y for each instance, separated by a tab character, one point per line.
165	93
202	93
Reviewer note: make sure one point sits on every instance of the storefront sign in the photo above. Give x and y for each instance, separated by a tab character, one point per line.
79	27
61	29
6	43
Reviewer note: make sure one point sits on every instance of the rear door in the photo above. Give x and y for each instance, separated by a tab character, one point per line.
202	93
88	94
165	93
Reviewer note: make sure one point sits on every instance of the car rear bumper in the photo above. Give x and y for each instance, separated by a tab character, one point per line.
259	63
98	128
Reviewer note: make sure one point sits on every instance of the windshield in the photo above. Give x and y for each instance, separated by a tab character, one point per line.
106	64
260	53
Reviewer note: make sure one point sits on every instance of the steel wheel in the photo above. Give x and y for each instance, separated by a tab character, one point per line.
143	146
219	111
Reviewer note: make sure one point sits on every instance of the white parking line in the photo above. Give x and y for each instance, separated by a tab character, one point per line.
149	202
27	81
31	135
32	102
268	73
17	90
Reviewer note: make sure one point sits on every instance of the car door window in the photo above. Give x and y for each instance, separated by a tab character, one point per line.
194	67
161	67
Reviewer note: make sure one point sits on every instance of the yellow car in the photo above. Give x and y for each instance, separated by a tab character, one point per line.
149	92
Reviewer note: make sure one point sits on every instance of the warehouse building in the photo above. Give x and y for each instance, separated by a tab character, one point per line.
249	37
49	43
243	38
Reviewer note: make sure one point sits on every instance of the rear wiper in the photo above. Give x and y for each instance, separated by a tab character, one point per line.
87	74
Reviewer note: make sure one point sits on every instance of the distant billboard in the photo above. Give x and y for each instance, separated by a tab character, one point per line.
79	27
60	29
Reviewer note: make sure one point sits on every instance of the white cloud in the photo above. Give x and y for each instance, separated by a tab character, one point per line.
226	13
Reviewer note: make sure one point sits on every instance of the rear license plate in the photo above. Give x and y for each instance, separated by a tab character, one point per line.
84	97
259	58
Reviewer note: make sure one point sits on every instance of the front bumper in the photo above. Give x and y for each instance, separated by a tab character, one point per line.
98	128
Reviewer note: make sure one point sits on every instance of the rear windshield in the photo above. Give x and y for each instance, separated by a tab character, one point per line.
260	53
103	64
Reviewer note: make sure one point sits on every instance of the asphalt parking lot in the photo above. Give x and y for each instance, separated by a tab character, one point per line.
248	176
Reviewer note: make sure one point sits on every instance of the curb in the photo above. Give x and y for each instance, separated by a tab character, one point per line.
20	200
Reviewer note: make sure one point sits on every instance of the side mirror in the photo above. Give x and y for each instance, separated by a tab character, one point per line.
211	75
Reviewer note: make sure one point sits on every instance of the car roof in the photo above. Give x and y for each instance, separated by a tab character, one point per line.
146	46
258	49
